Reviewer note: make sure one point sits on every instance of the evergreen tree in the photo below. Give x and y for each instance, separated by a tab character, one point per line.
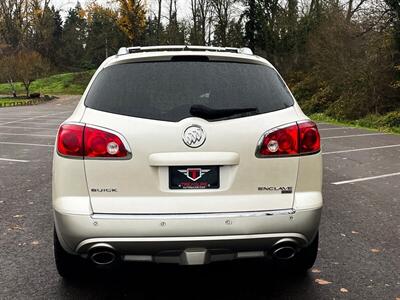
104	37
74	39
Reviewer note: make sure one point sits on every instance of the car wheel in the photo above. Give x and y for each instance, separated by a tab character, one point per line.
68	265
302	261
305	258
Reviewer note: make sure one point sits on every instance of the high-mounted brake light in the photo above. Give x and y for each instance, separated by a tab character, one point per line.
294	139
76	140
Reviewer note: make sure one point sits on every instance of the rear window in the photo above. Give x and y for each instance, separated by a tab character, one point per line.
167	90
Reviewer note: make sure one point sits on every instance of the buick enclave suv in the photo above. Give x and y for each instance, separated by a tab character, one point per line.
187	155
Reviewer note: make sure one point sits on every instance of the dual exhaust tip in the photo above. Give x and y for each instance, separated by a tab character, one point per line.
104	254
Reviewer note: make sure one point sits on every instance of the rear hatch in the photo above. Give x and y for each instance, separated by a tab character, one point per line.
193	128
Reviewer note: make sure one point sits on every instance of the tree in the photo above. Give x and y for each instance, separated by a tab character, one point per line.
14	22
104	37
46	30
175	30
159	25
251	25
153	34
132	19
234	35
74	39
201	14
223	11
394	7
7	73
28	66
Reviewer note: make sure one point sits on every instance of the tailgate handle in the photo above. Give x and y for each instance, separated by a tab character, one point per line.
193	159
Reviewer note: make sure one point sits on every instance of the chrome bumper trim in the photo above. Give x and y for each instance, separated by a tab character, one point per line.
245	214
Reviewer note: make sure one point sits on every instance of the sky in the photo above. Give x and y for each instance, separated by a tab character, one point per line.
65	5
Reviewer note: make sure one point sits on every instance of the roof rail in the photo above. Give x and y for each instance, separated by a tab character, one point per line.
139	49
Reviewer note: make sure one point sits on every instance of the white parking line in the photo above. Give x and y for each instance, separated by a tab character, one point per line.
48	128
36	117
360	149
366	178
13	160
351	135
26	144
39	123
28	134
9	116
66	113
335	128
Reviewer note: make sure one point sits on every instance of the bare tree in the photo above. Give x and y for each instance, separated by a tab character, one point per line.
14	21
7	74
204	7
352	10
159	2
195	28
174	35
223	11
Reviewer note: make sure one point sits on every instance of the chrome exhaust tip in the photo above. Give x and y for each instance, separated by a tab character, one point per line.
285	249
284	252
103	258
102	254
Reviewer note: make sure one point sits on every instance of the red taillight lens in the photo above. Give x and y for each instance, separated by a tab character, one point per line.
283	141
310	141
99	143
70	140
82	141
296	139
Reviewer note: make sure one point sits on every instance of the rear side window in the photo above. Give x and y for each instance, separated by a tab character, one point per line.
167	90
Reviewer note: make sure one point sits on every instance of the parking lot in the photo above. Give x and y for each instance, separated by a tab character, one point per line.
359	255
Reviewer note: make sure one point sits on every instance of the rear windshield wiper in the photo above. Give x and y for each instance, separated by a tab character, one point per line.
208	113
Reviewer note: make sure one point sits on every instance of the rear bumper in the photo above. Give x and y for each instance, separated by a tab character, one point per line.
157	237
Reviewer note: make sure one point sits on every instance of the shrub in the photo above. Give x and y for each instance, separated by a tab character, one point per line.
319	102
391	119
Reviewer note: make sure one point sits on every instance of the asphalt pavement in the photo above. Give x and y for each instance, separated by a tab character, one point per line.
359	255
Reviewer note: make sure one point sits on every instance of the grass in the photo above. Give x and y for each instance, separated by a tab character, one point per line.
371	122
60	84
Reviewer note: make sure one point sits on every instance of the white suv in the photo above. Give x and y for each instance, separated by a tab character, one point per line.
188	155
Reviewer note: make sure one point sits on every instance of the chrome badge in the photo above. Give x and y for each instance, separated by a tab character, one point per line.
194	136
194	173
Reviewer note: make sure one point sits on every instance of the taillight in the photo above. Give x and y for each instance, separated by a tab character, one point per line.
309	138
75	140
70	140
282	141
294	139
99	143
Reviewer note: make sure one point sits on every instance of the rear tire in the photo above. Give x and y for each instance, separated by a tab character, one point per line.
68	265
305	258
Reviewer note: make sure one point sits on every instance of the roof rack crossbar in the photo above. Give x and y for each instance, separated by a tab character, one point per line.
139	49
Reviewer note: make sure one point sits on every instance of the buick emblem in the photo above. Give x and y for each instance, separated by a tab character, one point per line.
194	136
